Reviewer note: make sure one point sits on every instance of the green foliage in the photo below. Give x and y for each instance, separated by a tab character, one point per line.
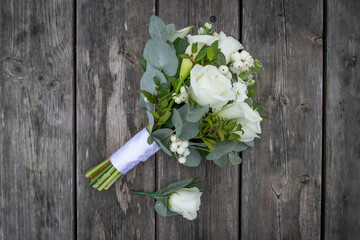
177	121
256	68
234	158
161	56
180	46
193	159
143	63
196	114
162	138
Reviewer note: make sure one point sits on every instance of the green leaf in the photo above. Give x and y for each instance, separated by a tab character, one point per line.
173	187
162	209
177	121
151	120
162	138
265	117
249	101
201	54
147	80
164	117
157	29
155	114
222	148
189	131
161	56
185	56
211	148
234	158
221	161
180	46
194	48
150	97
143	63
220	59
215	46
210	54
170	28
193	159
252	91
196	114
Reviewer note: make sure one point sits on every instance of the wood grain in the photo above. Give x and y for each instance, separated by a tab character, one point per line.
110	38
342	132
281	176
218	217
36	120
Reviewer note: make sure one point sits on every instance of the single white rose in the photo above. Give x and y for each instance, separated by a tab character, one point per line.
228	45
210	87
186	201
249	119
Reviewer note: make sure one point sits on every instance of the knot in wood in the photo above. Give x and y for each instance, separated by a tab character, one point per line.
13	69
303	179
303	107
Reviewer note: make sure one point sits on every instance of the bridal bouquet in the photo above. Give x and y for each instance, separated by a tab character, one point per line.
197	90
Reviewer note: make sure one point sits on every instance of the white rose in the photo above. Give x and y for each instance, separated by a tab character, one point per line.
228	45
210	87
246	116
186	201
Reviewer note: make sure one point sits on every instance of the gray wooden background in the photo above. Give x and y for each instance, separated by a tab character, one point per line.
69	79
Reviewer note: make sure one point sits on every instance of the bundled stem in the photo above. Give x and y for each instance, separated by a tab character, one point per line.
104	175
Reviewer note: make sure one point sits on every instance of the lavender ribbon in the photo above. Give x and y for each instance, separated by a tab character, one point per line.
133	152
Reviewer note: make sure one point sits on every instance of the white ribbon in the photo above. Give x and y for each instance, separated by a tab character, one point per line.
133	152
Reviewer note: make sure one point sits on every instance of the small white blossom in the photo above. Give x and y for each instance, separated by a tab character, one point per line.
235	56
182	160
224	69
183	90
145	99
185	144
173	147
201	31
173	138
186	153
181	150
240	90
208	25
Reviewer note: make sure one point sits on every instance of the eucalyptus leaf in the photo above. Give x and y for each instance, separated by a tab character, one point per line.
250	144
173	187
151	120
157	29
234	158
163	210
170	28
147	80
149	106
162	138
221	161
189	131
196	114
177	121
160	55
193	159
222	148
180	46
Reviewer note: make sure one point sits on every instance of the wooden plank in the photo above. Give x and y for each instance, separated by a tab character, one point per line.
342	143
281	176
110	38
36	120
218	217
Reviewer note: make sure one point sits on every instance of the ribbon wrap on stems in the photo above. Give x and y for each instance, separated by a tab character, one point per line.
133	152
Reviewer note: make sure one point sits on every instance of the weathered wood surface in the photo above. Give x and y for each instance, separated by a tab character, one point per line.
342	132
290	186
219	215
36	120
110	38
281	176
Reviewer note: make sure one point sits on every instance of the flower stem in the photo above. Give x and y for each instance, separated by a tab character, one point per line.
93	180
113	181
93	170
104	177
108	180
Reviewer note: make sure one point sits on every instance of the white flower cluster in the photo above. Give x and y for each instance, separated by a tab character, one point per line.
241	62
204	29
240	90
179	147
181	97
